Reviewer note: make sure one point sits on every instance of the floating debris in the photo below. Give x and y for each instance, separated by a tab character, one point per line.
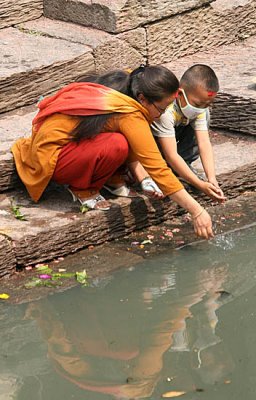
82	277
45	276
4	296
15	208
51	279
173	394
41	267
223	293
146	242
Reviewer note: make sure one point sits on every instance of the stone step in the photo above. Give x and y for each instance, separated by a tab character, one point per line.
35	65
14	12
125	50
42	55
235	107
13	125
219	23
54	227
117	15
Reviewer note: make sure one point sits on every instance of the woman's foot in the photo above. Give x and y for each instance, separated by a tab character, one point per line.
94	202
121	191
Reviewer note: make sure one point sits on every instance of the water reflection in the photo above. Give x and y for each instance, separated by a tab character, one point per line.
129	336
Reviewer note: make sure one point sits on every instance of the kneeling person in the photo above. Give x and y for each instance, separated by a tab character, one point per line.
182	131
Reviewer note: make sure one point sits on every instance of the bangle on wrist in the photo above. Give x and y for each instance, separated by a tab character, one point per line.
199	213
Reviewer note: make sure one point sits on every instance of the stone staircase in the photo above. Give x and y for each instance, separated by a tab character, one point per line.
47	44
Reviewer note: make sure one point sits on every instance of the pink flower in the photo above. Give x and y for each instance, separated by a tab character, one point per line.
45	276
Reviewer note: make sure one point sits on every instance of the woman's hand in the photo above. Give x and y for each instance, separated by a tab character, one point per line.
203	224
151	189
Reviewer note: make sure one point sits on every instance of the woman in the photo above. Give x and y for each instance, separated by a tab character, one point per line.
75	140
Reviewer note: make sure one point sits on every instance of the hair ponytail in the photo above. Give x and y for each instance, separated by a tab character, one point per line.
154	82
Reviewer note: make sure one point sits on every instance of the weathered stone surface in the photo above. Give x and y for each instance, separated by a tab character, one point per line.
235	106
13	125
136	38
54	227
116	15
234	184
238	151
109	51
7	256
14	12
202	29
35	65
234	164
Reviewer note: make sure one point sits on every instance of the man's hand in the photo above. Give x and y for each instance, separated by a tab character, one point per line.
213	191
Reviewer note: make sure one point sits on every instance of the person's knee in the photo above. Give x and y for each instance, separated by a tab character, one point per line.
117	147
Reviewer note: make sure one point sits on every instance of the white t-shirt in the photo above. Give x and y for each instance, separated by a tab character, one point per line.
165	126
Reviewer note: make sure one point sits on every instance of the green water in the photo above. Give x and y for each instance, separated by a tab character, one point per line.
182	321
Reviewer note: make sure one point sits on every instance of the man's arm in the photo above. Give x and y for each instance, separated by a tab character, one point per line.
206	154
207	159
176	162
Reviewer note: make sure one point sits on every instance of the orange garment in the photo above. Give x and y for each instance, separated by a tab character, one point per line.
36	157
143	148
85	98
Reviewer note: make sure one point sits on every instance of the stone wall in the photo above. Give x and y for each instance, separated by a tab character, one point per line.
117	15
203	29
16	11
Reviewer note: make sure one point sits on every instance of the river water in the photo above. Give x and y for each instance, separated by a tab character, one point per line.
183	321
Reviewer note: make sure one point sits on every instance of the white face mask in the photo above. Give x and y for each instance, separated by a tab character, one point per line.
190	111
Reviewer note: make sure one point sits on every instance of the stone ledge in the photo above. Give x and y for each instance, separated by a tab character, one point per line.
117	15
36	65
7	257
55	227
126	50
18	124
203	29
103	260
13	12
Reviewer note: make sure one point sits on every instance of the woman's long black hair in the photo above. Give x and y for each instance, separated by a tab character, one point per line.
154	82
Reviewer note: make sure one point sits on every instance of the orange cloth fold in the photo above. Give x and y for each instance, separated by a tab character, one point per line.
85	99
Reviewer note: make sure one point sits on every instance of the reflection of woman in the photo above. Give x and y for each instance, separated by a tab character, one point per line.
75	140
122	357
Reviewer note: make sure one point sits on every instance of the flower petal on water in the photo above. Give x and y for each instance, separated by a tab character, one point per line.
4	296
45	276
172	394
